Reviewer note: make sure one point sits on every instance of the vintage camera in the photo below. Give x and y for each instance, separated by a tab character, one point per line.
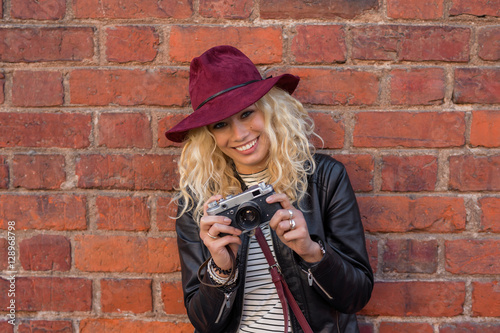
248	209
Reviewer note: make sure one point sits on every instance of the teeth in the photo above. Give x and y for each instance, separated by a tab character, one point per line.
247	146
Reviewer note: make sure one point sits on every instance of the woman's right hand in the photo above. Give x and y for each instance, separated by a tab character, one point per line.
211	226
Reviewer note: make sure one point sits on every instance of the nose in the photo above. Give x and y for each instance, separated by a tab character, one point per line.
240	131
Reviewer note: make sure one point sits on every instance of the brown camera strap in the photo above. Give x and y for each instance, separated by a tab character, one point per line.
284	292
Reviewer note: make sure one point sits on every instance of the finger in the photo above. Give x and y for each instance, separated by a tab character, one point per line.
217	229
282	198
211	199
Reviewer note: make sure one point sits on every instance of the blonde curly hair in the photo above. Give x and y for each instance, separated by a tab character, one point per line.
290	159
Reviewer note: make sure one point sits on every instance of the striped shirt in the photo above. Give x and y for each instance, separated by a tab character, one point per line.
262	310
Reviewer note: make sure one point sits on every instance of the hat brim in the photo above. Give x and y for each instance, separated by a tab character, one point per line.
230	103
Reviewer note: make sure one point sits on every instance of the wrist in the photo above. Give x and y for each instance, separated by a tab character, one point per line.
316	253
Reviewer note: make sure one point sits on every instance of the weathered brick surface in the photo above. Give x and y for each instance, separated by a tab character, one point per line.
261	45
37	88
45	130
38	10
46	44
47	211
123	213
114	9
94	253
126	295
409	129
45	253
405	94
38	171
131	43
415	298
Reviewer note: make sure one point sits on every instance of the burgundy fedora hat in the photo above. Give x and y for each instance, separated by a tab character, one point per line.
222	82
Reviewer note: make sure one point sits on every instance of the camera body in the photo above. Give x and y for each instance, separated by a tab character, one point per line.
248	209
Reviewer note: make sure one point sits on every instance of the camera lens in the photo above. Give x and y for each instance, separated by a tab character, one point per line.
248	216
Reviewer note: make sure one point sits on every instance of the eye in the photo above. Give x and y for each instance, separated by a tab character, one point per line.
219	125
247	114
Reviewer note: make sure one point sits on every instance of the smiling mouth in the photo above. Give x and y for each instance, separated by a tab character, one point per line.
247	146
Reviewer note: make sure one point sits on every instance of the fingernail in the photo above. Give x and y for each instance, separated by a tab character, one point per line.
227	219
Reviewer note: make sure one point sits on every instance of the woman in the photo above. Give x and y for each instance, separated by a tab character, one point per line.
245	130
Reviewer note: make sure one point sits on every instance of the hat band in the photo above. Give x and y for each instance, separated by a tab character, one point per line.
225	91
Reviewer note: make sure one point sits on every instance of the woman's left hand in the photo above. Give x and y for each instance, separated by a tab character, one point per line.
291	227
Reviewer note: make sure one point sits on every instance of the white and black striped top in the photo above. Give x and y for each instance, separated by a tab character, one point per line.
262	310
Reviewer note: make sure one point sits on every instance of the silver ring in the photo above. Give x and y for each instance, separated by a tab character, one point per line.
211	236
291	214
292	224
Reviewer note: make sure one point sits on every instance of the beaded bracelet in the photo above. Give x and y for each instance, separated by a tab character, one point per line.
220	270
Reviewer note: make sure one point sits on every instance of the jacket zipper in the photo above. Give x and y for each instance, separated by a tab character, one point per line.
311	279
225	304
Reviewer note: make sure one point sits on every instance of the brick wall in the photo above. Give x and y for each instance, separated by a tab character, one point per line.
405	93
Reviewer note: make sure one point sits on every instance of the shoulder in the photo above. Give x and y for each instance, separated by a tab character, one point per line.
327	166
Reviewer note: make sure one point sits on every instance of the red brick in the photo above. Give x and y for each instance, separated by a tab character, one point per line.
360	168
164	124
46	44
4	172
4	253
417	86
402	214
45	253
47	130
132	326
490	211
372	249
2	83
336	86
488	42
172	296
94	253
472	327
55	211
262	45
302	9
330	128
38	10
37	88
486	299
124	130
477	85
166	211
124	213
228	9
126	295
45	326
365	327
416	298
152	172
409	129
412	43
131	43
129	87
478	256
476	7
5	326
485	129
319	43
388	327
49	294
415	9
409	173
116	9
474	173
410	256
38	171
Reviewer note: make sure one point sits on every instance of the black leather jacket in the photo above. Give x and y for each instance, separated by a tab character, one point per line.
329	292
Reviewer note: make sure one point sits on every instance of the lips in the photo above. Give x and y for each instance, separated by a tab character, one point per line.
247	146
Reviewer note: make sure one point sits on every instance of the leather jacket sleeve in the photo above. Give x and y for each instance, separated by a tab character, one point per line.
206	306
343	277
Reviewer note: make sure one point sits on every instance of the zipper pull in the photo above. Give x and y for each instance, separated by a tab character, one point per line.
309	277
228	301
